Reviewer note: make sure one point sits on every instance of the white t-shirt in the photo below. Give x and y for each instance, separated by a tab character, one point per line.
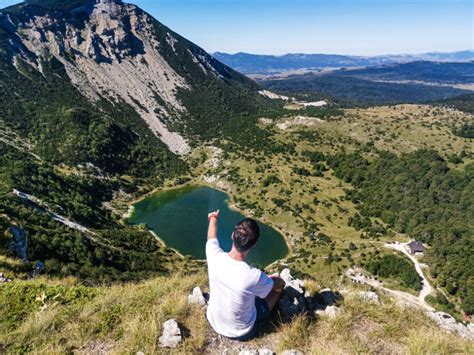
233	287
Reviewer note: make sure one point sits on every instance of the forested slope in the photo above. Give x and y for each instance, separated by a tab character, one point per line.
420	195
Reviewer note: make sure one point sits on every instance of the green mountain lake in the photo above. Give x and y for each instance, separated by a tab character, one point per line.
179	218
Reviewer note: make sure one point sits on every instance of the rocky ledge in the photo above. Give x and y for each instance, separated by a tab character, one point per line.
296	300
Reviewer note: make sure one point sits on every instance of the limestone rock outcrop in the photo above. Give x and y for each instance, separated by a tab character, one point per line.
368	296
295	300
3	278
448	323
171	336
197	297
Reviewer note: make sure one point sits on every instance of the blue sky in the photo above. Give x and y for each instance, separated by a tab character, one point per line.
363	27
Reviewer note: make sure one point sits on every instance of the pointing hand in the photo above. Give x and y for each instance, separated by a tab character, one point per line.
214	214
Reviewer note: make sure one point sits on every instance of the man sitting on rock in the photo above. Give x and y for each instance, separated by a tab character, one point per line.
241	297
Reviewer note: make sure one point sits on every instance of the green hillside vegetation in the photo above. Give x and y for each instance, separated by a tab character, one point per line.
66	128
418	194
55	122
302	191
463	103
389	266
115	252
52	316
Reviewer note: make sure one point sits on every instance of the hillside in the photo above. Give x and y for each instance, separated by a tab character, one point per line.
99	100
313	186
45	316
102	52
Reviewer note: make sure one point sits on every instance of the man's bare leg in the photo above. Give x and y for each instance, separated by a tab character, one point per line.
275	294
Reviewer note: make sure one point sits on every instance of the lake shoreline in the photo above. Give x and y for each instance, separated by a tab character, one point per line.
164	244
229	202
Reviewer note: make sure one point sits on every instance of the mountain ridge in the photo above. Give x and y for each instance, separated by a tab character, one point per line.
115	51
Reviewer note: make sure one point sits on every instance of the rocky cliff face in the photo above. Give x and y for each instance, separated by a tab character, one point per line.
116	51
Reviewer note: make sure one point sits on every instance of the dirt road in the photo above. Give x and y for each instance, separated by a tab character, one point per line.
426	287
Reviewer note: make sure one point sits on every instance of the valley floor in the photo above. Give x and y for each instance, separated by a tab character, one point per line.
304	205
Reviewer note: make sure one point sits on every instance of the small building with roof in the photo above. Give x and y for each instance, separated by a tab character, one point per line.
415	247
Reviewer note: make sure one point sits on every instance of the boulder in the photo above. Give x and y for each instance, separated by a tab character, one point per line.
329	311
3	278
266	352
248	352
332	311
292	352
369	296
171	336
293	301
197	297
292	285
448	323
328	296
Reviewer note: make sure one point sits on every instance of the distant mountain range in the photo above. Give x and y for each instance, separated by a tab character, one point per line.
272	64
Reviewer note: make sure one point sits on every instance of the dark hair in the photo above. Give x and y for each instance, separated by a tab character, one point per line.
246	234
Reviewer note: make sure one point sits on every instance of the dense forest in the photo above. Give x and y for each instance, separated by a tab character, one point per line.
393	266
418	194
111	251
449	73
462	103
353	90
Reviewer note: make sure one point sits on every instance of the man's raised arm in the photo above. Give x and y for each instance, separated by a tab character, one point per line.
212	230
